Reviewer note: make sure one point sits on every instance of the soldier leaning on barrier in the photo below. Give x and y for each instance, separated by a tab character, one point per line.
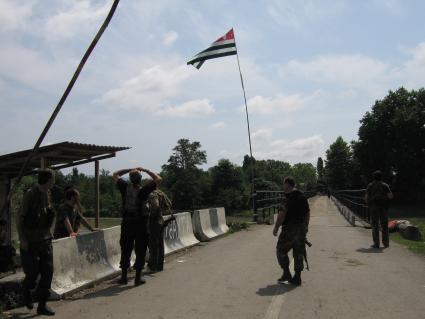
134	225
70	216
34	224
294	217
159	204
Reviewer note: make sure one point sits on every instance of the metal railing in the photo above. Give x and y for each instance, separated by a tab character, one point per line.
354	201
266	204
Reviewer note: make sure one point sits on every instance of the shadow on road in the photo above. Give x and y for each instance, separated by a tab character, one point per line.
370	250
109	292
274	290
21	315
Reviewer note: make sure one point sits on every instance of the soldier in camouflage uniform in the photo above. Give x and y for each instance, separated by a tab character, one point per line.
159	203
134	224
377	197
294	216
34	224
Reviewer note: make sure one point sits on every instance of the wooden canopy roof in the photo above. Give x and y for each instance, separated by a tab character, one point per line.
56	156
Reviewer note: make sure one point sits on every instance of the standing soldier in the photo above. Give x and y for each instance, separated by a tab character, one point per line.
377	197
159	203
294	216
134	225
34	224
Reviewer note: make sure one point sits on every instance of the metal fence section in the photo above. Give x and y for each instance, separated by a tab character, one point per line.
354	201
266	204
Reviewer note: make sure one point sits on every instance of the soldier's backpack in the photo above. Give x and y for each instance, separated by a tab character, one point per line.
378	194
165	206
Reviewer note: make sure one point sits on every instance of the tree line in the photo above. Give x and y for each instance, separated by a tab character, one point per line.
391	138
186	183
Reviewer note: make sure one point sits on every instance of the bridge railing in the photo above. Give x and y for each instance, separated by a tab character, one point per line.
354	200
266	204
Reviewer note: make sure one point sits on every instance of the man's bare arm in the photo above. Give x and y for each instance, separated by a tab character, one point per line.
117	175
156	178
280	219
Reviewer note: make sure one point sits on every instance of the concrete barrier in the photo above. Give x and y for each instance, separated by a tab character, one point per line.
85	259
209	223
179	233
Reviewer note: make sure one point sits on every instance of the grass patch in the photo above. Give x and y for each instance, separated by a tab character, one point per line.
241	216
237	226
415	246
105	222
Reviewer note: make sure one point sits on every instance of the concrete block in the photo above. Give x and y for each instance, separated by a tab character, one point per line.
86	258
209	223
179	233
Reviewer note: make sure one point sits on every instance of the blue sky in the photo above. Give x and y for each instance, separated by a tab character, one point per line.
311	71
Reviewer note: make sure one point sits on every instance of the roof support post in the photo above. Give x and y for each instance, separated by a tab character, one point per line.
5	215
96	193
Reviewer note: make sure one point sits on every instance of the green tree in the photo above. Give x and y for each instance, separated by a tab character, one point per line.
338	164
392	139
182	175
227	185
304	175
320	169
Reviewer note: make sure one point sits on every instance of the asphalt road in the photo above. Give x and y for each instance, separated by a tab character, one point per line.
235	277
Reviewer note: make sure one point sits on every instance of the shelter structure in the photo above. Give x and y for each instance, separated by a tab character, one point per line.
55	156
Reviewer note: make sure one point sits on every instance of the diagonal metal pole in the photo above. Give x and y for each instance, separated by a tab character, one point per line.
68	90
249	138
61	101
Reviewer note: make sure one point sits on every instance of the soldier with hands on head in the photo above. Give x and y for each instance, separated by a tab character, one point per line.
377	197
135	215
293	217
34	223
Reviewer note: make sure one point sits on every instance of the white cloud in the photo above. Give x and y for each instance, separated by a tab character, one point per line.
78	18
414	69
195	108
170	37
13	14
393	7
280	103
295	13
31	67
350	70
303	149
262	134
149	90
218	125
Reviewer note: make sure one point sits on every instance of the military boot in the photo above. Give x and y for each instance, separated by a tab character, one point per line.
123	280
296	279
42	308
286	276
139	280
28	298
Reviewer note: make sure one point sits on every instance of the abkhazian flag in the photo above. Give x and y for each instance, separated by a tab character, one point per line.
223	46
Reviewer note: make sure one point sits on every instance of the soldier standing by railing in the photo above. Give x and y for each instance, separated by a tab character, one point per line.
377	197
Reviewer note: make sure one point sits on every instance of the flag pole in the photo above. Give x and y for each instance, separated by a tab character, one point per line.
249	137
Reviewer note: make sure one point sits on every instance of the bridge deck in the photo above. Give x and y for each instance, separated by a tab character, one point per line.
235	277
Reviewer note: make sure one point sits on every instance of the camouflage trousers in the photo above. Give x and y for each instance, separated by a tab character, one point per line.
291	238
379	216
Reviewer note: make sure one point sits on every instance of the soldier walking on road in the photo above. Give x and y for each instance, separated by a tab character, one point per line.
377	197
294	217
34	223
134	225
